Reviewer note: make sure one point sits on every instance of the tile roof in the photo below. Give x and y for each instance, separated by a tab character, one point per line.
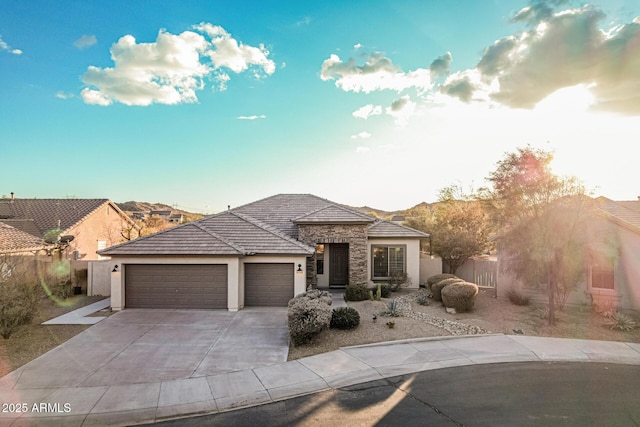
262	227
625	213
384	228
46	213
14	240
334	214
187	239
227	233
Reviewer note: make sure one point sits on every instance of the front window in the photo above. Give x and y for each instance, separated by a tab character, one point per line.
320	259
602	273
387	260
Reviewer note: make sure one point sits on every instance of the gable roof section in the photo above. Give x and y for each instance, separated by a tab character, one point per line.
626	213
45	213
187	239
227	233
384	228
14	240
334	214
278	211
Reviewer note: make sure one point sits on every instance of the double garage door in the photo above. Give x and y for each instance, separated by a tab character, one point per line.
204	286
175	286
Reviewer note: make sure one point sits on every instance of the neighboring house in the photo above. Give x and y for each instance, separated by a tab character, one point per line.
261	254
17	242
162	214
93	223
176	218
612	276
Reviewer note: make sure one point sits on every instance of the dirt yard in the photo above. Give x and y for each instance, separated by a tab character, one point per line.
490	314
31	341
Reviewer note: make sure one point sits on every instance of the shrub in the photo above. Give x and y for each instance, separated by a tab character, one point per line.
460	295
391	325
432	280
307	318
312	294
356	292
518	298
436	288
422	299
398	279
393	309
19	299
345	318
606	310
379	291
621	321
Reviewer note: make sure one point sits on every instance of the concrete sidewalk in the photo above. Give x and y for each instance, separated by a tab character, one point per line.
151	401
77	317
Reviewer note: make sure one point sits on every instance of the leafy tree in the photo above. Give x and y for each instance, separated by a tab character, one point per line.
458	226
543	221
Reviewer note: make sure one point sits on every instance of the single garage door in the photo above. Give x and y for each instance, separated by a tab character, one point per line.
268	284
175	286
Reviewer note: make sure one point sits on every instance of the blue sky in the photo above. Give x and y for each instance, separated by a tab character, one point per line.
205	104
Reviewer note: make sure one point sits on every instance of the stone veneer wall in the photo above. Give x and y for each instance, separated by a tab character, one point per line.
353	234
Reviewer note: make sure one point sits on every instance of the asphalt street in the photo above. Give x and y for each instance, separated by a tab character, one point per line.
506	394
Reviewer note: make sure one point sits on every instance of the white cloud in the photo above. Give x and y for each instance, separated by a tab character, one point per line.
357	46
4	46
64	95
171	69
262	116
234	55
303	22
559	49
367	111
377	73
85	41
362	149
401	110
361	135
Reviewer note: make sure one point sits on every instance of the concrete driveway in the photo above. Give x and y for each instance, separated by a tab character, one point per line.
140	346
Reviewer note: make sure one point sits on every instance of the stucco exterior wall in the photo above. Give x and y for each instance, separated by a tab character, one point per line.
353	234
412	258
105	224
623	244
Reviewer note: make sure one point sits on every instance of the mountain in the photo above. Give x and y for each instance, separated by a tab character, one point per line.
133	206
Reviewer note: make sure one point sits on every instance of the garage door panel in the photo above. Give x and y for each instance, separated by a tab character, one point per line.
268	284
176	286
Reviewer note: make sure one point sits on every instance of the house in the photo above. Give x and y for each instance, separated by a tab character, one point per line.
93	223
162	214
176	218
261	254
17	242
612	270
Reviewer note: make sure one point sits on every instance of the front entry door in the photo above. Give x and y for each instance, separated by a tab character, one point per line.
339	264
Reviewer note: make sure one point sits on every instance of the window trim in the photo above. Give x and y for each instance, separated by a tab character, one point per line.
387	246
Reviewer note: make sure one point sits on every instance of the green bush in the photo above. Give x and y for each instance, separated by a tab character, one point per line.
307	319
518	298
436	288
460	295
432	280
356	292
345	318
